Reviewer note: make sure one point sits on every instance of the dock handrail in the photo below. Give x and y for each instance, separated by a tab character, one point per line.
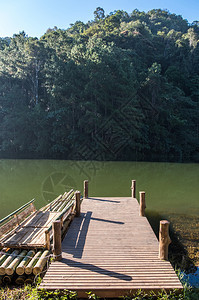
16	211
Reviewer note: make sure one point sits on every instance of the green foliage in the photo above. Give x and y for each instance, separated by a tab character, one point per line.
127	85
99	14
29	293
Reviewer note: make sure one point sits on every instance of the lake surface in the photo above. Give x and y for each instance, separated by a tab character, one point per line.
172	189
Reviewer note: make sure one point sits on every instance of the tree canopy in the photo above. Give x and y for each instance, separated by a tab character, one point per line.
121	87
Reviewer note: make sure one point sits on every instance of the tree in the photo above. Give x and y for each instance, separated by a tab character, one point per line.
99	14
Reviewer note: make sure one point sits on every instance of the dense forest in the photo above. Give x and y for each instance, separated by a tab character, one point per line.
124	86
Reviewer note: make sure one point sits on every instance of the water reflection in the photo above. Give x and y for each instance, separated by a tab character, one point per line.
191	278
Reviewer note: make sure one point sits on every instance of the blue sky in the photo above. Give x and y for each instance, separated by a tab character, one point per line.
36	16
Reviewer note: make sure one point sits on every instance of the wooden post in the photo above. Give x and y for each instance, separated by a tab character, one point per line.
77	198
142	204
85	188
133	189
57	250
32	207
16	218
62	221
164	239
47	239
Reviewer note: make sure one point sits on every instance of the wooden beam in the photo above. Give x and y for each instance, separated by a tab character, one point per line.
77	199
47	239
85	188
133	189
57	250
142	204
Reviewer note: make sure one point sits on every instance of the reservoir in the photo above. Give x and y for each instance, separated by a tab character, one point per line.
170	187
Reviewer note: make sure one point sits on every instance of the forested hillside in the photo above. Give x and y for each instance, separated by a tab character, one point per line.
120	87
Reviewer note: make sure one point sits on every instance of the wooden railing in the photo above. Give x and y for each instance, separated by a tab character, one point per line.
16	217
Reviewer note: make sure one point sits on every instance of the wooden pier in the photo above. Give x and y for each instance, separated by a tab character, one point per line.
111	250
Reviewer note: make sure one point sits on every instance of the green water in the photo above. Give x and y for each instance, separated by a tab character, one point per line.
170	187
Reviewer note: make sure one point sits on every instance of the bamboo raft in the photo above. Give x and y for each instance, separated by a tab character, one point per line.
26	238
30	228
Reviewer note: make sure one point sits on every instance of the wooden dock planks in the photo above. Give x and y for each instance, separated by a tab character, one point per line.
111	251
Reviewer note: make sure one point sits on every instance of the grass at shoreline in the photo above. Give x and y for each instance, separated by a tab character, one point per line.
33	293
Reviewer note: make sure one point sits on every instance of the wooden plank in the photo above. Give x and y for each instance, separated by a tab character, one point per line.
110	250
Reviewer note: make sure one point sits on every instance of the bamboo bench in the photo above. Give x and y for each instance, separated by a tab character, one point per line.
30	228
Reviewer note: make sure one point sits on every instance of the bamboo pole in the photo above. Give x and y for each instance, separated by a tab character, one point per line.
62	205
47	239
133	189
38	268
66	223
7	279
77	199
85	188
49	205
57	250
53	204
32	263
66	201
164	239
62	199
20	279
33	208
20	270
30	279
142	204
12	266
8	260
4	256
58	205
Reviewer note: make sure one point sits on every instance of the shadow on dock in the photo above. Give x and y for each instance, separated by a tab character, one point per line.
76	240
95	269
